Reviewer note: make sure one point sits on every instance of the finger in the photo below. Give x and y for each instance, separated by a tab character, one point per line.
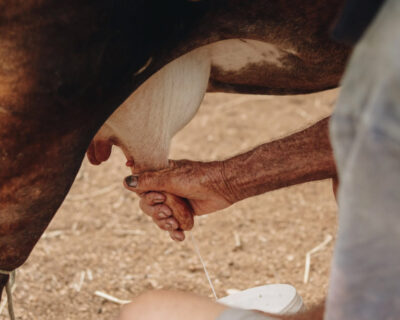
181	209
148	181
177	235
167	179
168	224
159	211
152	198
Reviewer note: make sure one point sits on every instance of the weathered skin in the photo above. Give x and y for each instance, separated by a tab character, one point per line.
65	66
166	301
207	187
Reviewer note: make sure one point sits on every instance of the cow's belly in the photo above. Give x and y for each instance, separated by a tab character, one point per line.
145	123
251	66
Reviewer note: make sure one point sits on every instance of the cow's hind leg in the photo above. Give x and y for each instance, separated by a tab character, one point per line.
59	81
35	178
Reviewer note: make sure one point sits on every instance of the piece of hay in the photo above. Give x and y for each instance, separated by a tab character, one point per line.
323	244
111	298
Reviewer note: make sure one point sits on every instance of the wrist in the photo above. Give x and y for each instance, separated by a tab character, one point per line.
231	173
221	179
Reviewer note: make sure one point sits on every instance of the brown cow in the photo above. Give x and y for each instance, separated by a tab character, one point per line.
65	66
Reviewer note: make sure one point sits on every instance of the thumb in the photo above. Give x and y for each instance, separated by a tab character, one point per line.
181	208
160	180
143	182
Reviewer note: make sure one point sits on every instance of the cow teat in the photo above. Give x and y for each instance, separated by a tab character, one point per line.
99	151
145	123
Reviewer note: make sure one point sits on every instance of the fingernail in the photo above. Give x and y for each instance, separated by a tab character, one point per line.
132	181
179	236
168	226
162	215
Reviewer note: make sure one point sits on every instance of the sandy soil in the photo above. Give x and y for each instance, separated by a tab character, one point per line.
99	239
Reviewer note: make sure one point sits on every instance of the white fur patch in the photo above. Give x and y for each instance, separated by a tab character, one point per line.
235	54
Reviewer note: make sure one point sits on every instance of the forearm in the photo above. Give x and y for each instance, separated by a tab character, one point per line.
301	157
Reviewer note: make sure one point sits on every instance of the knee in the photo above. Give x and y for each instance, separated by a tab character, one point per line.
149	305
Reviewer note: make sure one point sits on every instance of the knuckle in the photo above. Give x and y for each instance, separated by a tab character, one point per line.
165	209
148	198
146	180
163	227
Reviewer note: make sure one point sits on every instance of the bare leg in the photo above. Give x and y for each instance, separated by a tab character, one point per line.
171	305
174	305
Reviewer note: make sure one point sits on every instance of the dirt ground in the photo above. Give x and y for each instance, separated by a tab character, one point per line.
100	241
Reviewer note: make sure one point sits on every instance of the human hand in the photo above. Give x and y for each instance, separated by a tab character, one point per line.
201	186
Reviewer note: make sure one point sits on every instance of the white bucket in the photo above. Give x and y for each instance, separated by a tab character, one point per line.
271	298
